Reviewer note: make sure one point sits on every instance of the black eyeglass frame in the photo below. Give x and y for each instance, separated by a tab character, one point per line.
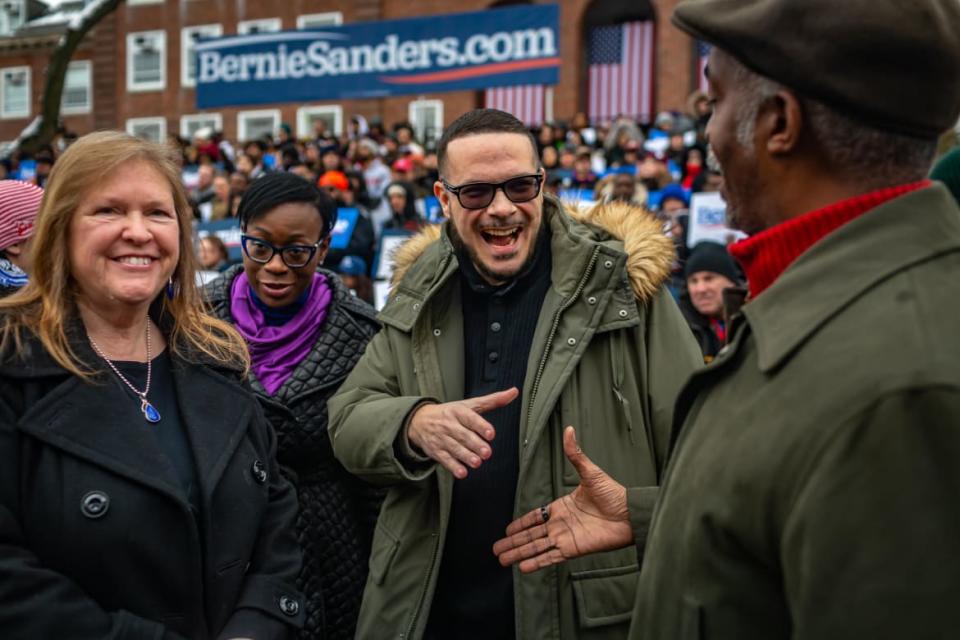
456	189
311	248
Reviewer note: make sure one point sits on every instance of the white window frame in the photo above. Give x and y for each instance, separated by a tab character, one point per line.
263	25
242	135
132	123
437	121
304	127
28	80
159	85
185	121
327	19
186	40
5	27
88	72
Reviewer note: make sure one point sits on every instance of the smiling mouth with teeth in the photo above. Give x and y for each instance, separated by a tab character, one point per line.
500	237
136	261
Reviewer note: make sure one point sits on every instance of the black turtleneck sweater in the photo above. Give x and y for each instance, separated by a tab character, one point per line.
474	596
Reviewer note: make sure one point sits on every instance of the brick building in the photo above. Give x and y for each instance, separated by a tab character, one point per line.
134	71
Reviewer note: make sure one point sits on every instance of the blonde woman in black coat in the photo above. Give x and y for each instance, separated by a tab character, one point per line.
139	495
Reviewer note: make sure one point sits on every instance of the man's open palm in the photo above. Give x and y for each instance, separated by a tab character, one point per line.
592	518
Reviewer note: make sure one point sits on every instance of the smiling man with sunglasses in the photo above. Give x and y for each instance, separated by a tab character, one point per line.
508	323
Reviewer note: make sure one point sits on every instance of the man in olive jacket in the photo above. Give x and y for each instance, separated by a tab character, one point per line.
514	297
812	487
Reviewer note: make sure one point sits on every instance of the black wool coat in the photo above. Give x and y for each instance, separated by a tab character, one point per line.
337	511
97	538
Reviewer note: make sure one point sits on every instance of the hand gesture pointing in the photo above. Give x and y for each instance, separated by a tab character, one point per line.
454	434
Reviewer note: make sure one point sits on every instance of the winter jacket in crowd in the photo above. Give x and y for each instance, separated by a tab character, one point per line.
337	511
609	356
813	484
98	538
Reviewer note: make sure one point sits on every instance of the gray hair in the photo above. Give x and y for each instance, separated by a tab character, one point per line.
872	157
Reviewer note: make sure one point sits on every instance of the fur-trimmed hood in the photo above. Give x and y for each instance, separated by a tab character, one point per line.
650	254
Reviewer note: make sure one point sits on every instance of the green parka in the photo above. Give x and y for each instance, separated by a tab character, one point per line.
609	356
814	489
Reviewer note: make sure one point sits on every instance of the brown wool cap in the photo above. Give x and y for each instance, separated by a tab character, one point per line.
893	64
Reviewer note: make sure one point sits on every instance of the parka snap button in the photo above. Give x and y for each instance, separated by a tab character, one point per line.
289	606
592	300
95	504
416	305
495	327
623	313
259	472
437	332
608	264
571	341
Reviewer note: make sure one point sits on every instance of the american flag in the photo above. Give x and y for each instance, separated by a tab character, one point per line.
621	71
703	52
526	102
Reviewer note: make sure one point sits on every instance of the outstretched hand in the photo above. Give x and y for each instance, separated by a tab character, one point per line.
592	518
454	434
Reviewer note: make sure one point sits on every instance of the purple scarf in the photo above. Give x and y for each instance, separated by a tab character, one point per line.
276	351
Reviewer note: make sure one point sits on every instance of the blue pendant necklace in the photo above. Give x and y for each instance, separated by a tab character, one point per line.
149	411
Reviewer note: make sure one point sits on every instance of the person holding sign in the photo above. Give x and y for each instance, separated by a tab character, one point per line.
511	320
305	331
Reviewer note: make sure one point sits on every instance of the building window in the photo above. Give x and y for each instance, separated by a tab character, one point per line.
265	25
77	96
188	57
146	61
331	114
254	125
15	92
12	16
152	129
426	116
192	123
315	20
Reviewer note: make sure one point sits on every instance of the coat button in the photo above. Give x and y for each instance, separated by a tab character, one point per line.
289	606
623	313
437	332
592	300
259	472
95	504
608	264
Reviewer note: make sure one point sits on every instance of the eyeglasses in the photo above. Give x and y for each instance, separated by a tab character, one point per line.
294	256
479	195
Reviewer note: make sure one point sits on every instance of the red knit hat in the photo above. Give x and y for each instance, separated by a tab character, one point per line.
19	204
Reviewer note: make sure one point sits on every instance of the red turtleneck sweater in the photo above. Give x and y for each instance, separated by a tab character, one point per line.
767	254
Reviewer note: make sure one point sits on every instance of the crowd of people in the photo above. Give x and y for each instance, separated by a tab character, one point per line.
524	442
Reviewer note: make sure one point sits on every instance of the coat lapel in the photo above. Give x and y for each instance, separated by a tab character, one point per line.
215	412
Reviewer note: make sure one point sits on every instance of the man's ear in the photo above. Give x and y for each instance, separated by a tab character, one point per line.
781	120
443	197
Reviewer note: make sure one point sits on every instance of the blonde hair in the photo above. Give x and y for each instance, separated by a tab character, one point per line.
47	304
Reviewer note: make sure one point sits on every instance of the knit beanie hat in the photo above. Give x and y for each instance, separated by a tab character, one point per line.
712	257
947	171
19	204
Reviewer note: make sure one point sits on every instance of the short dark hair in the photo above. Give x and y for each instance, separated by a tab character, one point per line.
274	189
483	121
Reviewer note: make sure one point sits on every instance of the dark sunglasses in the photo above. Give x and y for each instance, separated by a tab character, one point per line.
479	195
294	255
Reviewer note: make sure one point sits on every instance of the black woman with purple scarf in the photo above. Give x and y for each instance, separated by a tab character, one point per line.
305	332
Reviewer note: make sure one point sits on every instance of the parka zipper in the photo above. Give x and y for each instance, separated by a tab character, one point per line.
553	330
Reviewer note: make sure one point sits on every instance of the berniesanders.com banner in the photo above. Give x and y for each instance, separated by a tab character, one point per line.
450	52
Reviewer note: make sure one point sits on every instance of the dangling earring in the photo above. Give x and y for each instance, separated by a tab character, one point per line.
171	289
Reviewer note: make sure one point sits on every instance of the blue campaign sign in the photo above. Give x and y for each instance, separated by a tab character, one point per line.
227	230
343	229
432	210
498	47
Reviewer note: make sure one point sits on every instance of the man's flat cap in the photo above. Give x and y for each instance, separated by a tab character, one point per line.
892	64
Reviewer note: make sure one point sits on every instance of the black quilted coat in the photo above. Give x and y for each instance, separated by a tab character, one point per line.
337	511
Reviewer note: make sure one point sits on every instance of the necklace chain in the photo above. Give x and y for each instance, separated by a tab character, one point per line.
141	394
